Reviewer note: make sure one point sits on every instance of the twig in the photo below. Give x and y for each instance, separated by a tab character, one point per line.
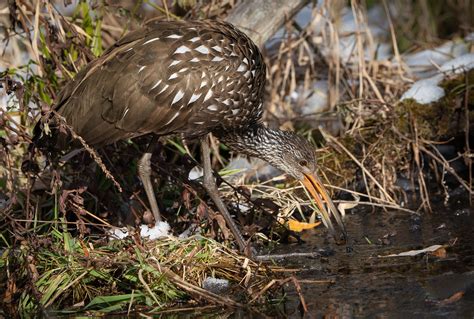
300	293
90	150
140	277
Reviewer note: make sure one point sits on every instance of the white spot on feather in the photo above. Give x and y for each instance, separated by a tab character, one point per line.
173	76
217	48
156	84
194	98
220	79
174	36
199	123
217	59
194	60
202	49
174	63
212	107
241	68
183	70
141	69
163	89
233	54
177	97
208	95
246	61
125	113
227	101
172	119
253	72
235	111
203	84
195	39
182	49
131	48
151	40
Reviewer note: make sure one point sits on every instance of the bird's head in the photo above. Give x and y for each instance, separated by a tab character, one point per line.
292	154
297	157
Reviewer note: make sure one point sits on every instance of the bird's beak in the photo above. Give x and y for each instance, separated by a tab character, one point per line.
317	190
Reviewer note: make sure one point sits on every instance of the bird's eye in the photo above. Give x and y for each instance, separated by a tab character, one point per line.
304	163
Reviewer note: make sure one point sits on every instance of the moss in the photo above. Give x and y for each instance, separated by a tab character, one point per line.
442	119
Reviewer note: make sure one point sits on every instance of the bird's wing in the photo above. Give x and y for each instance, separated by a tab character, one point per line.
165	78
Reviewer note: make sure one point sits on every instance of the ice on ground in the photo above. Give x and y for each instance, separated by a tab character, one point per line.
119	233
427	61
425	91
460	64
195	173
161	229
428	90
315	99
348	29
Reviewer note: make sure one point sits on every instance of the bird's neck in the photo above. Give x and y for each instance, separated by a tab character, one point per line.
256	140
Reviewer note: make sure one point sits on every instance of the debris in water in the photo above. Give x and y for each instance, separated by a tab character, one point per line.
454	298
411	253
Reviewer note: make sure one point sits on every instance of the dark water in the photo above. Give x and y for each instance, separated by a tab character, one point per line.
402	287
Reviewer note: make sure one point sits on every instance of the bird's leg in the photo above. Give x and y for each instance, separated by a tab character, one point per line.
144	171
210	186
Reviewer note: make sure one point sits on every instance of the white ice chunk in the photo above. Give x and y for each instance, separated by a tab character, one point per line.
195	173
161	229
119	233
460	64
425	91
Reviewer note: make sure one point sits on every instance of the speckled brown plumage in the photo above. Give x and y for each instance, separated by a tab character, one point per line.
169	77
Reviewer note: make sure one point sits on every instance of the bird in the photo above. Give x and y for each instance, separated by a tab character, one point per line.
188	78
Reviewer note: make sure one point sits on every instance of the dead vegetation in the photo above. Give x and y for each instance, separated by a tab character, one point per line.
54	216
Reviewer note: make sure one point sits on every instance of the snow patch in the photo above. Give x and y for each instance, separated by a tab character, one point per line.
425	91
119	233
428	90
195	173
161	229
460	64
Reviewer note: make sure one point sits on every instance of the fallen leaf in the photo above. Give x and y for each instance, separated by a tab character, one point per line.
411	253
297	226
440	253
456	297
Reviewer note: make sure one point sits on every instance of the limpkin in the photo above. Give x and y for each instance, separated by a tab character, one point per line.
190	78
